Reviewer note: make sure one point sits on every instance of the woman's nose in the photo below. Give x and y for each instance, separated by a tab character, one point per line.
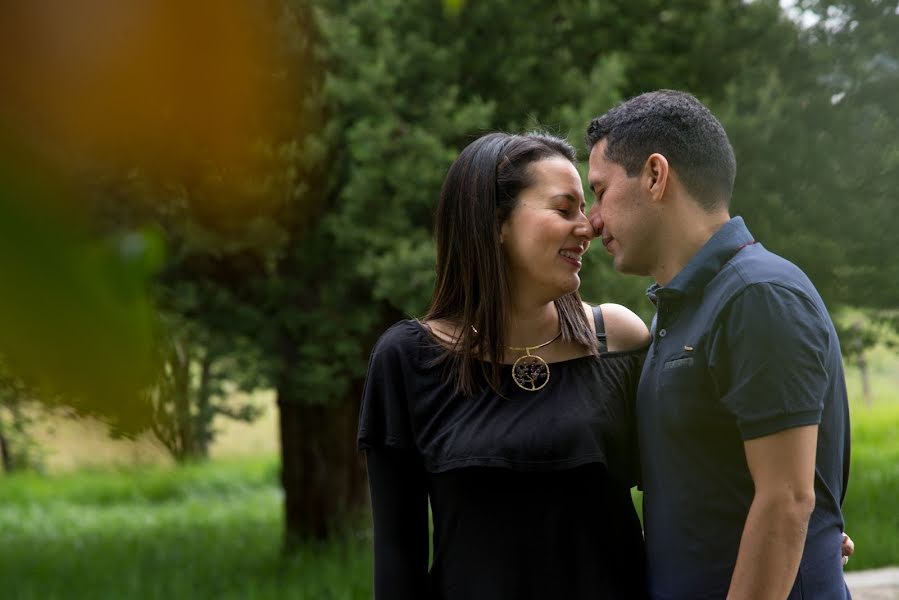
585	229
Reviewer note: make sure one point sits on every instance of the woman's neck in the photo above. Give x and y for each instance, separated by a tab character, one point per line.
531	325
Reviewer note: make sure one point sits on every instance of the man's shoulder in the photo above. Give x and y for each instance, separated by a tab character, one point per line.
755	265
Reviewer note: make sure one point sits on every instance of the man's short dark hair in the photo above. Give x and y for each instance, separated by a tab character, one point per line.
679	127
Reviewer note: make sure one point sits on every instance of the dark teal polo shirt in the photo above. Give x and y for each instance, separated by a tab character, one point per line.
742	347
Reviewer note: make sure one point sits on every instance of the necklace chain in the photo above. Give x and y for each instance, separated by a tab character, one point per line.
538	346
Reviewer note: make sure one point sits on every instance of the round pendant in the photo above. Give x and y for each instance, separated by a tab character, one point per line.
530	372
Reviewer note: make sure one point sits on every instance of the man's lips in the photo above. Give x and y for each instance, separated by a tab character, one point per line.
606	241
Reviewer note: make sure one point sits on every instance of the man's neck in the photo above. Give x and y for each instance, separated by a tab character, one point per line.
683	242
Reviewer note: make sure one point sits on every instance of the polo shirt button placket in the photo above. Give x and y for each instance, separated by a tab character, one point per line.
660	335
657	334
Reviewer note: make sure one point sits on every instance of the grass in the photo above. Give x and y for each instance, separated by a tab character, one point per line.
870	505
209	531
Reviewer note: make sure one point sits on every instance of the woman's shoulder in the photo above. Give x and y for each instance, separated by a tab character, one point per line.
400	337
624	329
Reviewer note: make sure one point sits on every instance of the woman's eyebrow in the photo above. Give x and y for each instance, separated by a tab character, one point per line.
569	197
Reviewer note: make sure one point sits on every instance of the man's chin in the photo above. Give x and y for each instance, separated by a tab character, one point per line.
626	268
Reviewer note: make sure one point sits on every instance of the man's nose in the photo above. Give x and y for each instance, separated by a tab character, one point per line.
595	219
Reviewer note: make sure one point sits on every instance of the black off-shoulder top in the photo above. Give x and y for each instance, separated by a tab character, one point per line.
584	415
529	491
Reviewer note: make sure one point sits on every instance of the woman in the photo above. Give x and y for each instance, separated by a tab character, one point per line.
508	406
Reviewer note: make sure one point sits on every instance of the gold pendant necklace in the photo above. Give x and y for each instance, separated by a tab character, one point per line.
530	372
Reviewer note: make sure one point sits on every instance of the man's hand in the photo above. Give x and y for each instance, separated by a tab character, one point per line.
847	548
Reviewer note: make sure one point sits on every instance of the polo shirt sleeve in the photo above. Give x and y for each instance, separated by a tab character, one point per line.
768	359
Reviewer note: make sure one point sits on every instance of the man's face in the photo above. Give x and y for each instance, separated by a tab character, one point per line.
622	214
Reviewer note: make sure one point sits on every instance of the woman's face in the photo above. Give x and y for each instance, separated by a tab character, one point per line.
547	233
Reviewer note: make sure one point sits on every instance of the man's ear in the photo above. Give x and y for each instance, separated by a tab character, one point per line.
656	172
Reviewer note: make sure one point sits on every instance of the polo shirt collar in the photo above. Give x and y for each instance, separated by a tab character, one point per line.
706	263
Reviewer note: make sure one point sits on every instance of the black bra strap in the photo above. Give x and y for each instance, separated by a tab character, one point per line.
600	329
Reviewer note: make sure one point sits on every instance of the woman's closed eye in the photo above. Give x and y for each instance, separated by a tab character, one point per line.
571	211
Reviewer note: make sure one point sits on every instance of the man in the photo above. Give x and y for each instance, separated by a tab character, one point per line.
742	412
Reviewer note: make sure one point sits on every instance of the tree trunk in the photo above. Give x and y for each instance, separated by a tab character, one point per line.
866	379
321	471
184	434
205	414
5	452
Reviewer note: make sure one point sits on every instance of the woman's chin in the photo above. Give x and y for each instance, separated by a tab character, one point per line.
570	286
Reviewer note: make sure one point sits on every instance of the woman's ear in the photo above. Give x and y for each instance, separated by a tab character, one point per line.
502	231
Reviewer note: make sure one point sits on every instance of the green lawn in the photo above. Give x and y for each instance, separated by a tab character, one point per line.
213	531
870	506
200	532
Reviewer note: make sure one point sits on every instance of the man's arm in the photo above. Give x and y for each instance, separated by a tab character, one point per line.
782	466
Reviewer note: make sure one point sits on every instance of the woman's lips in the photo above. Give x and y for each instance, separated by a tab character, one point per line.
572	257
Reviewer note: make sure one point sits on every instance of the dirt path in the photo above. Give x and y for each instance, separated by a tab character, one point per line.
876	584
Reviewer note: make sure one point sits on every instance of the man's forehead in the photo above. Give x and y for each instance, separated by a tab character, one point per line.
597	152
597	161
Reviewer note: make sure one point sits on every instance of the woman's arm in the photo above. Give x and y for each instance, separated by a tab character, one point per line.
399	501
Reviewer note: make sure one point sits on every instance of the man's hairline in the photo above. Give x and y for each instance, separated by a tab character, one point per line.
611	159
718	204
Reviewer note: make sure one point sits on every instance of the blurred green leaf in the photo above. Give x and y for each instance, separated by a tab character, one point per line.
75	318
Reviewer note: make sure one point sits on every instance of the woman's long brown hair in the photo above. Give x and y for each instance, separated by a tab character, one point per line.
472	290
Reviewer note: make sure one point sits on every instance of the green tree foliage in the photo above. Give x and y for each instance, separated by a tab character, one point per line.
197	385
817	155
857	41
